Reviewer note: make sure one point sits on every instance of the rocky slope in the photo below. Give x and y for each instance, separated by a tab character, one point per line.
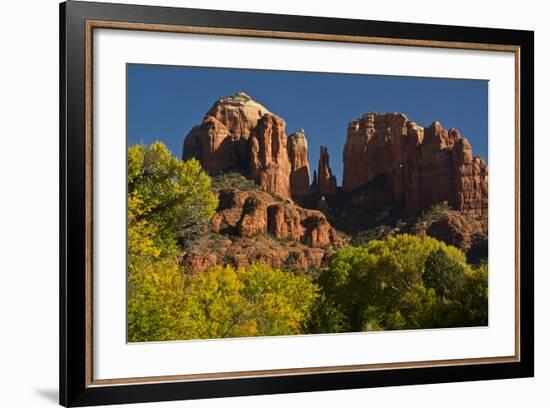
254	225
462	230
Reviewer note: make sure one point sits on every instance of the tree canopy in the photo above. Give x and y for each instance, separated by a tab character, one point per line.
254	301
222	302
172	194
402	282
168	199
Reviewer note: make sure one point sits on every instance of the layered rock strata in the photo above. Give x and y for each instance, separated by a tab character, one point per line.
239	134
326	182
269	165
299	164
251	226
419	167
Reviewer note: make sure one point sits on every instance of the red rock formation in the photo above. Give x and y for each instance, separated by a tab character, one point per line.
284	223
421	167
297	154
456	229
269	165
465	231
249	213
208	143
239	134
326	182
472	180
220	142
251	226
253	219
314	182
198	261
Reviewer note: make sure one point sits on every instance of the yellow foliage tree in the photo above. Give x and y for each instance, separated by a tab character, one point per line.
168	199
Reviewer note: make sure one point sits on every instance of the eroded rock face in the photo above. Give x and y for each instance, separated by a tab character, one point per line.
420	166
284	223
269	164
251	226
198	261
326	182
299	164
220	142
239	134
250	213
469	233
472	180
253	219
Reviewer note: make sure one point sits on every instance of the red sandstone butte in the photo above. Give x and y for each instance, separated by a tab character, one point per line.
421	166
239	134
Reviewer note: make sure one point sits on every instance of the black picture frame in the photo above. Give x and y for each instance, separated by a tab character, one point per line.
75	388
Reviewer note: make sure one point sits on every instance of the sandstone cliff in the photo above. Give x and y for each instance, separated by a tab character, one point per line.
220	142
239	134
417	167
269	164
299	173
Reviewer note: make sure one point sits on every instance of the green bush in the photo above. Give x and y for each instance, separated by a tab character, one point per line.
364	237
402	282
226	181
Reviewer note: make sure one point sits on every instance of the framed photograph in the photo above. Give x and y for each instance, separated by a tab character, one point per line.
257	204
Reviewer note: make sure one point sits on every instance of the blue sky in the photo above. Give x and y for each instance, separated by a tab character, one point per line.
165	102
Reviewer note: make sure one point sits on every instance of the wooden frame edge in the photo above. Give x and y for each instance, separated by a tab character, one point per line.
290	35
104	24
89	205
232	375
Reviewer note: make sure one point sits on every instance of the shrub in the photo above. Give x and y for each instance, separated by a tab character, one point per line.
226	181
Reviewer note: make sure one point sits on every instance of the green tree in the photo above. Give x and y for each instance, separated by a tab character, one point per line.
347	287
444	274
475	296
281	300
215	305
326	317
155	299
167	199
174	195
402	282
